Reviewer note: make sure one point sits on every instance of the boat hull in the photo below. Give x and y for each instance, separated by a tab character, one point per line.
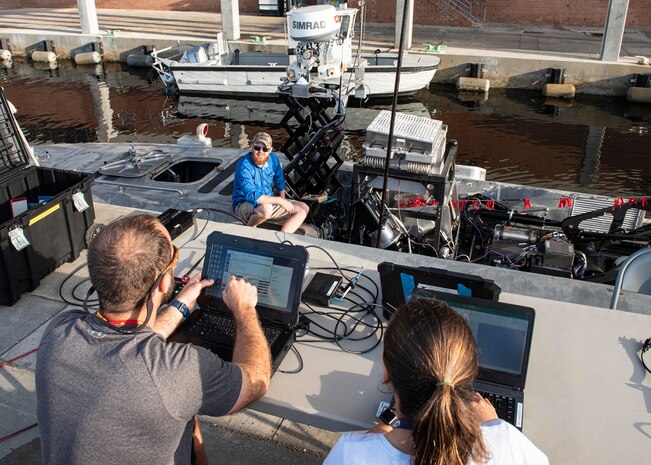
263	81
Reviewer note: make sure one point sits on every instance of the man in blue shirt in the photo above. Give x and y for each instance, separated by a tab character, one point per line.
257	175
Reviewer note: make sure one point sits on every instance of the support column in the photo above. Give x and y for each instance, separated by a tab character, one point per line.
231	19
88	17
409	27
611	44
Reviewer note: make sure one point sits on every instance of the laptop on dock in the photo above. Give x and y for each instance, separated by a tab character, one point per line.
277	271
503	338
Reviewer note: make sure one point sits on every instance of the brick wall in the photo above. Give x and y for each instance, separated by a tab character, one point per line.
588	13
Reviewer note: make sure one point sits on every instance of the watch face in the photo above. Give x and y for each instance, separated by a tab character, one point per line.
388	417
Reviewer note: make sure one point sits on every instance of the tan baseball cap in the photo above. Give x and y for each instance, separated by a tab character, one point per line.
264	138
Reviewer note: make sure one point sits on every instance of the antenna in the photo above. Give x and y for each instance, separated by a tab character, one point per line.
396	88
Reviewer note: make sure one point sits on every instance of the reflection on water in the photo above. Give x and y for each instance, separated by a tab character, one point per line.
598	145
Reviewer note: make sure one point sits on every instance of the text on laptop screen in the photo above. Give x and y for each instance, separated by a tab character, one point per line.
500	336
272	276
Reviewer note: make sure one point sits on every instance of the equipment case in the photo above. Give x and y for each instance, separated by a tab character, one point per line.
52	230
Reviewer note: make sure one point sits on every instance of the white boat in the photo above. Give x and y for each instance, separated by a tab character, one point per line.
213	69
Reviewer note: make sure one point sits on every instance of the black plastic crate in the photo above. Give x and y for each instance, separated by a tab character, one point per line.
53	225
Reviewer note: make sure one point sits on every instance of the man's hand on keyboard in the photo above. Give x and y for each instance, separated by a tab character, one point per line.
240	296
484	409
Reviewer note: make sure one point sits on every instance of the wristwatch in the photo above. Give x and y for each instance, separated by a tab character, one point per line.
389	417
181	307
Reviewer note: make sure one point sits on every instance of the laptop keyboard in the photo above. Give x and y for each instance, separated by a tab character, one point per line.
504	406
222	330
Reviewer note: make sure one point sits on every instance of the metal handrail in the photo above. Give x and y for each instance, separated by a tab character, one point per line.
465	8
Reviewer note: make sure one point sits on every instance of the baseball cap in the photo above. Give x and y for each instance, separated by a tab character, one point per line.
264	138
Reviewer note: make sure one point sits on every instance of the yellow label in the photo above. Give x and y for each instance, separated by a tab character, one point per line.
47	212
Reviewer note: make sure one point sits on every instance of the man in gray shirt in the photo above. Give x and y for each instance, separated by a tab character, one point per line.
110	390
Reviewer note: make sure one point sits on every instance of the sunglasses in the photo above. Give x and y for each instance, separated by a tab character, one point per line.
257	148
175	259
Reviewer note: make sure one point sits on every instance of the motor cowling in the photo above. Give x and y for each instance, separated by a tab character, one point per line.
317	23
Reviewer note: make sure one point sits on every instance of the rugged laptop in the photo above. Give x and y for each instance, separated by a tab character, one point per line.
503	336
277	271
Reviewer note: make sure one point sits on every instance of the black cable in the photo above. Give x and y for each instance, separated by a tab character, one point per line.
331	258
645	347
195	265
13	435
345	336
81	299
300	363
70	275
377	343
223	212
195	237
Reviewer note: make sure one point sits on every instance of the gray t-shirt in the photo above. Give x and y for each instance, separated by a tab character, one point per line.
110	398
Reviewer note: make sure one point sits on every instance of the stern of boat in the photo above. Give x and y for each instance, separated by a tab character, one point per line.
163	67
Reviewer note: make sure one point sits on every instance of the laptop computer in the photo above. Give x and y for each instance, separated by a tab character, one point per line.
503	337
399	281
277	271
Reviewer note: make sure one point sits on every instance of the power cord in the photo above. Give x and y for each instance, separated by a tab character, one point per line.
645	348
300	363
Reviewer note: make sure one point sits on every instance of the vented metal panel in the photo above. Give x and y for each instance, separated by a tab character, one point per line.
407	126
581	205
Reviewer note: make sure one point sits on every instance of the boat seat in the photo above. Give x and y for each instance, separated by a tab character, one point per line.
634	275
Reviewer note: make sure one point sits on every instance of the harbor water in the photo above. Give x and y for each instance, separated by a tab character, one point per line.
590	144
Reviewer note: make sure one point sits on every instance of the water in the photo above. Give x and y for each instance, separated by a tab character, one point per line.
598	145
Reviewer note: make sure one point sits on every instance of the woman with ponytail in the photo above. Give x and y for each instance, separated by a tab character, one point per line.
430	363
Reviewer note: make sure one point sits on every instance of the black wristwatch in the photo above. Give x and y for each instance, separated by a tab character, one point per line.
181	307
389	417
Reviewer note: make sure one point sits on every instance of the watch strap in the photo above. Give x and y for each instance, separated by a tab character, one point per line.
181	307
388	417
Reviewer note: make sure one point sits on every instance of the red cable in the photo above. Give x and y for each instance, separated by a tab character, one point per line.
3	364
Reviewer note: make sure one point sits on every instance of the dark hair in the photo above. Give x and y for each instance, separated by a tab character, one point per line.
428	343
125	259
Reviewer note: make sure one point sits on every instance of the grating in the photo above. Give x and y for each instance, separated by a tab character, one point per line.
581	205
407	126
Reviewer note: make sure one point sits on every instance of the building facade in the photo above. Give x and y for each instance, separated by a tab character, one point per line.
580	13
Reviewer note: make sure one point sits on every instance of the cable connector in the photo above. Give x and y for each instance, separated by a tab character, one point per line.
348	287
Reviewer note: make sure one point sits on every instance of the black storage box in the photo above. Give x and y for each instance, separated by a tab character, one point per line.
53	225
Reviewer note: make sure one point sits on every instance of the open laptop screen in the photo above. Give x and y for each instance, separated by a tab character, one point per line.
277	270
502	334
271	275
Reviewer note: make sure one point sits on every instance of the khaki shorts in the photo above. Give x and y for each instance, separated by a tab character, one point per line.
245	210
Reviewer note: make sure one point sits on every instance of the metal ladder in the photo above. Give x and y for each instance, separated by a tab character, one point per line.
473	11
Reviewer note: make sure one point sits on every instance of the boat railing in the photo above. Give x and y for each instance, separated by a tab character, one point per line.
164	57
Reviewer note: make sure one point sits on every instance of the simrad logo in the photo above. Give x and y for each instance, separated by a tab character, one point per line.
308	24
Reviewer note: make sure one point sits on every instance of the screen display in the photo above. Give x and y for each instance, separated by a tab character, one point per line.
272	276
500	335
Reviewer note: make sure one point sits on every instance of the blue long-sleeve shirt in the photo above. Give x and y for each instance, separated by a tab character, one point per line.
252	181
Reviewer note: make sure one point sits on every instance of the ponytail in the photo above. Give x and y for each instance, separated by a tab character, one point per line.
447	432
431	360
